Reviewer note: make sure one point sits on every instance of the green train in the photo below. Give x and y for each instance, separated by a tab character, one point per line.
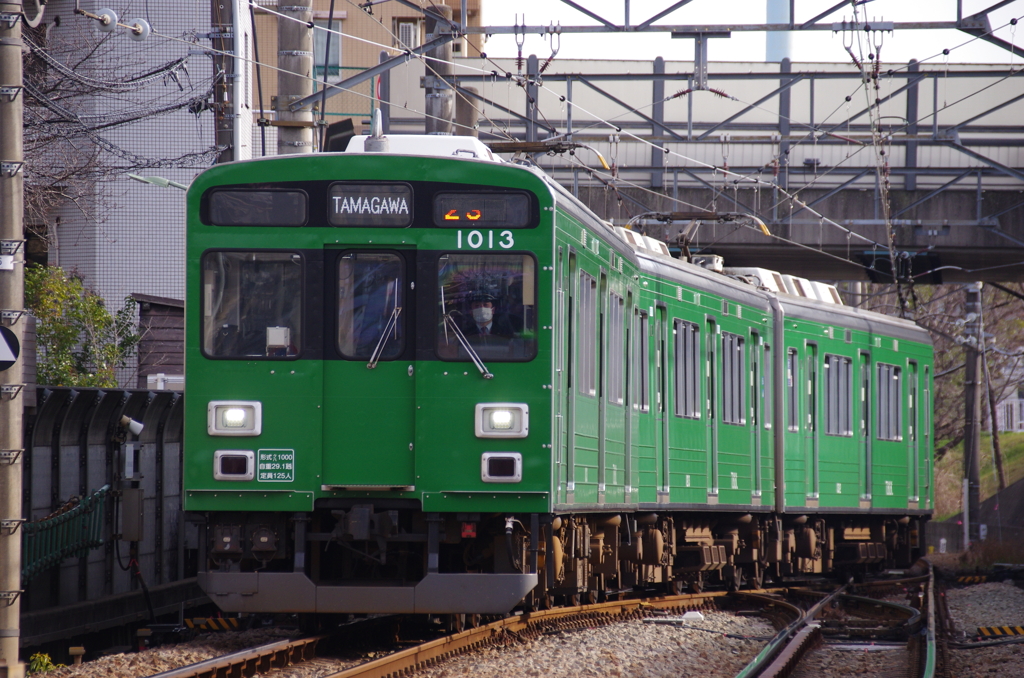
424	380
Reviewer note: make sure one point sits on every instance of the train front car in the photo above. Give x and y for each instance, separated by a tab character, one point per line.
368	368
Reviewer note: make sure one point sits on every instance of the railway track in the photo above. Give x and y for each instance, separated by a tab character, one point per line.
903	638
805	620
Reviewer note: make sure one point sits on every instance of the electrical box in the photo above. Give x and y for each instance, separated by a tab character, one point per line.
131	514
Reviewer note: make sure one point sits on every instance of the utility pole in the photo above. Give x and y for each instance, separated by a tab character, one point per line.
440	95
225	43
972	411
295	80
12	307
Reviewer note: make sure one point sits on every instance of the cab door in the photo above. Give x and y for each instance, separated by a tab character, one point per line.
369	385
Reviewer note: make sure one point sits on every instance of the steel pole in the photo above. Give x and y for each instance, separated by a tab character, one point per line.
12	303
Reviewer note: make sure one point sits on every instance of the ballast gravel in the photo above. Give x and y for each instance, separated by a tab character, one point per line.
640	649
990	604
636	649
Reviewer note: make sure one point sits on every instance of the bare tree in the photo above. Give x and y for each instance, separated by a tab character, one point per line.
77	91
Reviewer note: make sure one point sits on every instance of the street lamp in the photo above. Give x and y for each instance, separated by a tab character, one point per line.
159	181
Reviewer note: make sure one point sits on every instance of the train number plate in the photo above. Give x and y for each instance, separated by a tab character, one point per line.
275	466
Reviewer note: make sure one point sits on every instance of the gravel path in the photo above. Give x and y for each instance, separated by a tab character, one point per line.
638	649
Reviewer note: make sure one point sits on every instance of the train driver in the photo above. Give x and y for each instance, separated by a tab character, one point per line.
485	321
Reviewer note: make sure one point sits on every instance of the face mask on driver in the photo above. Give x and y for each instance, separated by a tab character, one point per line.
483	315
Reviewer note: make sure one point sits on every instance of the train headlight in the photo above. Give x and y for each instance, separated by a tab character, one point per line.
502	420
233	465
234	418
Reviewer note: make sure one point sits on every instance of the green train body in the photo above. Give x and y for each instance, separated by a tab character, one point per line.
632	420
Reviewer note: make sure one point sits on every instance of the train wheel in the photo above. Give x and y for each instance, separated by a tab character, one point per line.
544	602
697	585
455	623
573	600
676	587
472	621
591	597
756	577
733	576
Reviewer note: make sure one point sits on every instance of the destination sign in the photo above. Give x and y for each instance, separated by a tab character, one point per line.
482	210
388	205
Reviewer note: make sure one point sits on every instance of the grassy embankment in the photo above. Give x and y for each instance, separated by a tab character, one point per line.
949	472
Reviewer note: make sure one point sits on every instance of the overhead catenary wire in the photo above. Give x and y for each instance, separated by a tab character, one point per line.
737	177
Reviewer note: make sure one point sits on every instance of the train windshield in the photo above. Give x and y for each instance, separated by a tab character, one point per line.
371	295
252	304
492	298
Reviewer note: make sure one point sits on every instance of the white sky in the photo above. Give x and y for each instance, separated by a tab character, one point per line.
809	46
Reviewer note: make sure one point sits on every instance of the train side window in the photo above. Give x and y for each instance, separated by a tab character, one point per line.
615	355
792	392
371	296
588	334
838	391
252	304
890	401
642	395
492	300
687	364
733	372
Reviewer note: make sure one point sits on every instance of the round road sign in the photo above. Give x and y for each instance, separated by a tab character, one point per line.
9	349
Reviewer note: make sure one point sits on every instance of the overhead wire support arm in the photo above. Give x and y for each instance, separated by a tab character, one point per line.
349	83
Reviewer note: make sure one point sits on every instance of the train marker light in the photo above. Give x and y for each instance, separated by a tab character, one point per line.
501	467
234	418
502	420
233	465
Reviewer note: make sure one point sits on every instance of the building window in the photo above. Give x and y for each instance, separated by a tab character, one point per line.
321	40
687	364
733	373
890	401
838	391
408	32
616	359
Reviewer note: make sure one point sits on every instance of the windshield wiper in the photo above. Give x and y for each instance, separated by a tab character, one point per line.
449	321
382	342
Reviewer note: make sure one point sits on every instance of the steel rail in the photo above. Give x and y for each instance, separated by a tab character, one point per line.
251	661
523	626
789	644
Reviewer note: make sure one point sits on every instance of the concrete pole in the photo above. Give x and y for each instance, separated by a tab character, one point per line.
778	44
12	298
222	24
972	407
440	99
466	114
295	80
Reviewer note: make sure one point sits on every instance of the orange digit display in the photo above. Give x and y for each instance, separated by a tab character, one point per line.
452	216
473	215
